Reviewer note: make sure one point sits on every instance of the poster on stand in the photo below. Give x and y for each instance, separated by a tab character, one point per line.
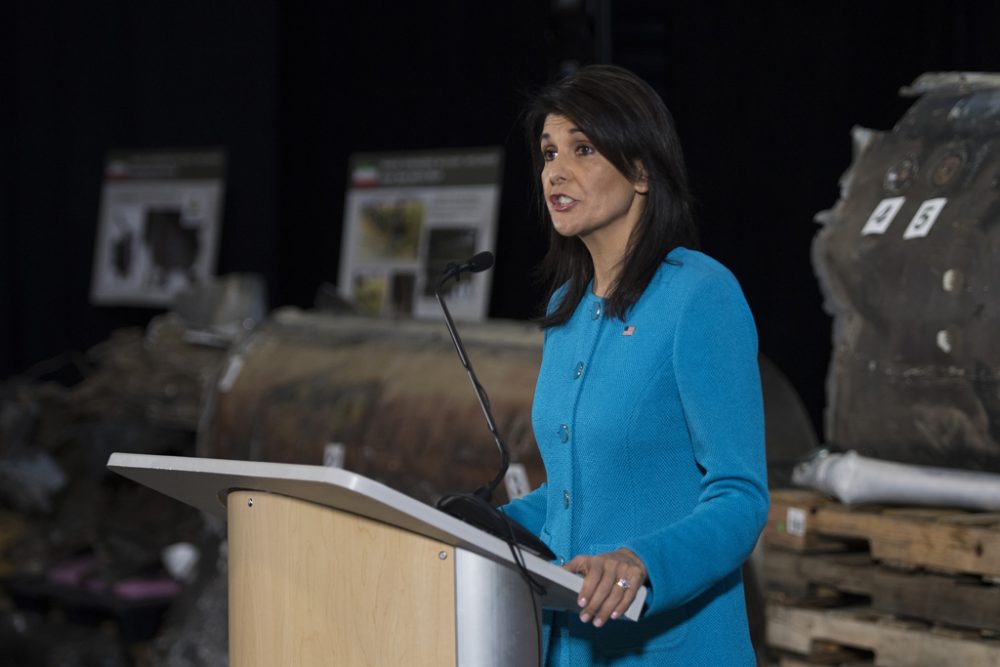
158	225
407	216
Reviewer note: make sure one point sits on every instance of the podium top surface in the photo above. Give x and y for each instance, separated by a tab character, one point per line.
205	483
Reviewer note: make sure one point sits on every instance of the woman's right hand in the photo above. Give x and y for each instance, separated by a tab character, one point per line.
610	582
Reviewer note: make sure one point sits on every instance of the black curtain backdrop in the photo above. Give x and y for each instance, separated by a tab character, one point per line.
83	78
764	100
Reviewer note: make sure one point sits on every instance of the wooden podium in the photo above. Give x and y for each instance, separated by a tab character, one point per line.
327	567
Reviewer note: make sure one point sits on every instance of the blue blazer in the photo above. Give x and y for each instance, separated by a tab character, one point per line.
652	434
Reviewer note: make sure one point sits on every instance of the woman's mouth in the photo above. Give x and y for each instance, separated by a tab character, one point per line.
561	203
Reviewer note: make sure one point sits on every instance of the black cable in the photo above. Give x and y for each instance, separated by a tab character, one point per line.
535	588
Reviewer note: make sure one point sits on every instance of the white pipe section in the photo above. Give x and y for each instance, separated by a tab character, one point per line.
856	479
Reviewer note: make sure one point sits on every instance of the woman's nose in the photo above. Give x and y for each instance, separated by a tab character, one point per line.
555	173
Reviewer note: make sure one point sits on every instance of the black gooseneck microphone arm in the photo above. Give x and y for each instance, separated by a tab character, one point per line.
477	508
480	262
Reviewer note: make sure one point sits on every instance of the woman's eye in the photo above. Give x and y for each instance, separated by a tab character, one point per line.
548	154
584	149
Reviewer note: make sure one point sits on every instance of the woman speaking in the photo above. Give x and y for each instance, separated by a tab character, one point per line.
648	410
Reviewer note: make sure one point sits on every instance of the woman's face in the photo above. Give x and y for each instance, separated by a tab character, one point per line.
585	194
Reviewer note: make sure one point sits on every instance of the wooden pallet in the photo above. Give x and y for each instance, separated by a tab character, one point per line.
945	540
961	600
826	654
796	661
809	633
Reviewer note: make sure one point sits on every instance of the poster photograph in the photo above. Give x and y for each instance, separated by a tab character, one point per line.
390	230
370	290
158	225
406	217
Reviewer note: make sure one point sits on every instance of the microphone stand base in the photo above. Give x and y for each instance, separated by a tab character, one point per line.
479	512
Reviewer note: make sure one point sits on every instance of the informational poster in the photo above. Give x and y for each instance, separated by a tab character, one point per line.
407	216
158	226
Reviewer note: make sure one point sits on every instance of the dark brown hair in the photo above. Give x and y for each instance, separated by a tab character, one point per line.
629	125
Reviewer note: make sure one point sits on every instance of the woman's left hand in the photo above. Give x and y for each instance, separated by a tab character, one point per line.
609	583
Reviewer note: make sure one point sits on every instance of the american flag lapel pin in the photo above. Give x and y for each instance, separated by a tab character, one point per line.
629	330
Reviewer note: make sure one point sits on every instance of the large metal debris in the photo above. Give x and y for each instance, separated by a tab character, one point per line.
84	543
390	393
28	481
195	631
157	375
221	310
34	639
907	259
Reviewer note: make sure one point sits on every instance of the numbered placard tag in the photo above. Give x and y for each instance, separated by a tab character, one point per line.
882	216
924	218
795	522
516	481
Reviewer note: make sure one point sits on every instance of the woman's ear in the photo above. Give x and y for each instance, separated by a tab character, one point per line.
641	182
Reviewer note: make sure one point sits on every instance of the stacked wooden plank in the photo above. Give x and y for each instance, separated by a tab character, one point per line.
881	586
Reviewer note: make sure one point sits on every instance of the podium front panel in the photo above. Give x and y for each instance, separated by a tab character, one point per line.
311	585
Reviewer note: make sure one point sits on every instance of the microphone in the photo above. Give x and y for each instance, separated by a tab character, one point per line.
477	508
479	262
